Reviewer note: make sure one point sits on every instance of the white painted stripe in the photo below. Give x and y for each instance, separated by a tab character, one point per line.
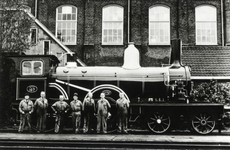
63	92
72	85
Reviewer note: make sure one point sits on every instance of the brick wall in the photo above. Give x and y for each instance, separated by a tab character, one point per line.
89	34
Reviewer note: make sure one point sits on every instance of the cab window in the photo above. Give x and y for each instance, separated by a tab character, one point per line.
32	68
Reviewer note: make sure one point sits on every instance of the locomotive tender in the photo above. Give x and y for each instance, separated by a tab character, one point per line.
159	96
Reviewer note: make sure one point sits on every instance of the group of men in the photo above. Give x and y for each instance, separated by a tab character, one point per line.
89	107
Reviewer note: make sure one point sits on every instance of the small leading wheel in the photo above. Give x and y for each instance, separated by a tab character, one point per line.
159	122
203	123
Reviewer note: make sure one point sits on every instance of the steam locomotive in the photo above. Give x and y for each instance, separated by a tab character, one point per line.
159	96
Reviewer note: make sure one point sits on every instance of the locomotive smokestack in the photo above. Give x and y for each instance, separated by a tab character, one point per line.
176	51
131	57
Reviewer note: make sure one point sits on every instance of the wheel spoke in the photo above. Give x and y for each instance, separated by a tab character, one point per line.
198	126
153	119
151	122
197	118
165	119
210	126
161	116
208	117
209	121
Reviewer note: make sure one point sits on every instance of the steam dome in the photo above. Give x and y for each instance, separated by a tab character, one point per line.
131	57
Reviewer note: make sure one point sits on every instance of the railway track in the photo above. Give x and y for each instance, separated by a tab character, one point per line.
95	141
31	144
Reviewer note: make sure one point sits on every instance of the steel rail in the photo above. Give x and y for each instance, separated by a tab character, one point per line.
73	144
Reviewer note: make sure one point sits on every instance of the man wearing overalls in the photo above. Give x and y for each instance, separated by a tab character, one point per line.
41	105
60	108
102	113
89	110
76	106
122	111
26	108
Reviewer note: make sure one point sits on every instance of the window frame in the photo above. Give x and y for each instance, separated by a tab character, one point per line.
168	22
67	21
36	35
197	22
44	47
112	21
32	62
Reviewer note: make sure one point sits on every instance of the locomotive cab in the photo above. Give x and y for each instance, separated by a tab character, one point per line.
32	74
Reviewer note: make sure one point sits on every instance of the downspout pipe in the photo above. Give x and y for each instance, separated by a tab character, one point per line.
222	22
35	8
128	21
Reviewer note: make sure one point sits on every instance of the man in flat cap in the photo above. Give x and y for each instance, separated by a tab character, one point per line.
89	110
60	108
26	108
41	105
76	106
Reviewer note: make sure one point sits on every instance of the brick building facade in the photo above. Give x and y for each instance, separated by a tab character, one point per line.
90	49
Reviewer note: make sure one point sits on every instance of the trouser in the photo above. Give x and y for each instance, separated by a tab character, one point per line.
41	121
59	122
88	118
101	122
76	119
23	119
122	122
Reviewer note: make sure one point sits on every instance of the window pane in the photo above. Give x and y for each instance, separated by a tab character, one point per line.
68	16
159	13
73	10
38	68
26	68
66	10
59	17
73	17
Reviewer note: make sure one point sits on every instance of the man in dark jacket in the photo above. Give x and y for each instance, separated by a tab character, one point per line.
26	108
60	108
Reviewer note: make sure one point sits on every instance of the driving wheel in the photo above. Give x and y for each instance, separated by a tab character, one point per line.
159	122
203	123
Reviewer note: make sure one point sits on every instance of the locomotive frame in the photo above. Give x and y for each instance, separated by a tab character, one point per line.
159	96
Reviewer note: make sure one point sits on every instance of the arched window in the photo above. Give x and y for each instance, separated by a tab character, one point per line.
112	25
206	25
66	24
159	25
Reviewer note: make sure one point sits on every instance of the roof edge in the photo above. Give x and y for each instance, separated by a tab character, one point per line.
50	34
